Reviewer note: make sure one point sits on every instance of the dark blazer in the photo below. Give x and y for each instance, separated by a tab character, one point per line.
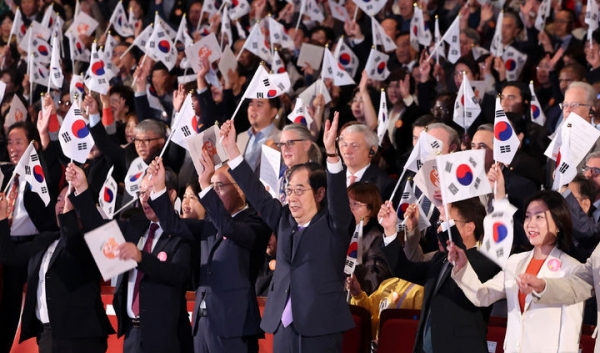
310	262
165	323
376	175
457	325
231	253
75	307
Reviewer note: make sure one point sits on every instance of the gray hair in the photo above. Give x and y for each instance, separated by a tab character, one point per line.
590	92
314	153
151	125
592	155
486	127
453	135
370	135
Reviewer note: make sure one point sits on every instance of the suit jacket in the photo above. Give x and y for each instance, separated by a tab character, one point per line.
541	327
456	324
72	281
231	253
376	175
165	324
310	262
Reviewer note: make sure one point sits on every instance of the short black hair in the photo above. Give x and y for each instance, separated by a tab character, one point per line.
316	176
559	211
473	211
30	130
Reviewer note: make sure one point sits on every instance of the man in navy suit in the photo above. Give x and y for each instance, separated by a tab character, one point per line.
306	307
149	300
226	316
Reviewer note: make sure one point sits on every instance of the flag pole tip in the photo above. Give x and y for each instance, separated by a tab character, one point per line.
382	89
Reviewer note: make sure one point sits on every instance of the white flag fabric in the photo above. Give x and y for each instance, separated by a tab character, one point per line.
49	16
78	50
142	39
256	44
498	232
208	46
427	180
152	97
82	24
160	47
346	57
186	123
182	33
210	7
97	79
39	74
591	17
277	65
75	138
240	30
354	255
514	62
419	34
225	27
376	66
506	141
462	175
380	37
119	21
264	85
542	14
370	7
332	69
40	49
300	114
18	28
240	9
56	73
408	198
537	114
427	147
496	47
382	117
566	166
108	195
478	52
171	33
77	87
134	176
314	11
452	37
466	106
30	168
277	35
438	47
338	11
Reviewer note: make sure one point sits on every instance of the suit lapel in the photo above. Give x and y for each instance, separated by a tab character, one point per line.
59	248
296	236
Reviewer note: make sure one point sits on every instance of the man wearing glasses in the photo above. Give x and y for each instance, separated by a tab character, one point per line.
306	306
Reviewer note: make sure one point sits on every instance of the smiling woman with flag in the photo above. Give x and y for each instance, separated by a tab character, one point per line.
531	327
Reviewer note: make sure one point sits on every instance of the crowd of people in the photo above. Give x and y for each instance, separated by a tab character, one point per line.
191	225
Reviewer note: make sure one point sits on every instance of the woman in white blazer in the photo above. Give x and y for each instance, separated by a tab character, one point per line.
531	327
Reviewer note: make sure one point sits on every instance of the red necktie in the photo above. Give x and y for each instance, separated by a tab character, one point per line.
351	179
12	198
135	304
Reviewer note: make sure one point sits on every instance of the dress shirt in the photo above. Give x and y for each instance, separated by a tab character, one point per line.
41	308
359	174
255	141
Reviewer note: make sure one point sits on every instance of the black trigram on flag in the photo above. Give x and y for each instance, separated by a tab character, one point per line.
186	131
405	195
280	86
160	34
448	167
66	137
505	149
82	146
500	113
435	145
453	189
77	111
350	263
500	252
260	95
27	170
102	81
563	167
266	82
57	75
44	190
134	188
152	44
419	164
34	158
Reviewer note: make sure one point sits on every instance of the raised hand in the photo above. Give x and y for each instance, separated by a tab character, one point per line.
228	139
90	104
330	134
528	283
77	178
157	170
208	172
456	256
411	217
387	218
179	97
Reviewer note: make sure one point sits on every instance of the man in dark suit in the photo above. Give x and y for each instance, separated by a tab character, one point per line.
149	300
449	321
306	307
226	315
63	308
358	145
28	217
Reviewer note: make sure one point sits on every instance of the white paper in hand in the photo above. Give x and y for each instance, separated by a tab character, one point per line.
103	242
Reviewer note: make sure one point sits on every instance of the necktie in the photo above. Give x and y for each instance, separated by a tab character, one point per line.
135	305
12	197
286	316
351	179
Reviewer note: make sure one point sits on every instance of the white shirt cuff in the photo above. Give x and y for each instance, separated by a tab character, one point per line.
156	194
408	100
336	167
235	162
204	192
95	119
387	239
140	94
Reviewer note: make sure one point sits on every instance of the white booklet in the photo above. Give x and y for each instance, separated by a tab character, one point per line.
103	242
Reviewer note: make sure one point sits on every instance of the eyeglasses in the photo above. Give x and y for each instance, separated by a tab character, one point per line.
298	191
288	143
218	186
572	105
65	103
460	73
593	170
145	141
356	204
440	109
143	194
